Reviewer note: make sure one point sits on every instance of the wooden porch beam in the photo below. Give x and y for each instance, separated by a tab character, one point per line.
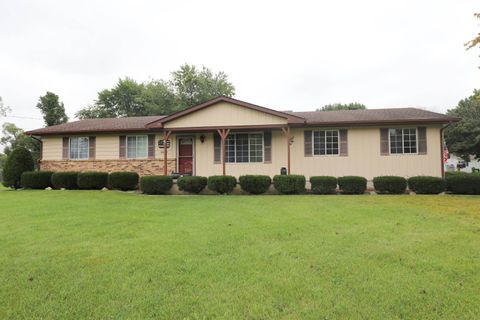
223	135
288	135
166	136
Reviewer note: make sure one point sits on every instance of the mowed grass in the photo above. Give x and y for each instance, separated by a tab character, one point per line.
113	255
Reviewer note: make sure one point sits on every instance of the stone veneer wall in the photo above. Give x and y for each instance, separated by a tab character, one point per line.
142	167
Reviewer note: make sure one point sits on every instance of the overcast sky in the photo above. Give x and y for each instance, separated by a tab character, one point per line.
287	55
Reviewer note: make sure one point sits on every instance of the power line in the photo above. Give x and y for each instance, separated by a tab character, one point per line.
23	117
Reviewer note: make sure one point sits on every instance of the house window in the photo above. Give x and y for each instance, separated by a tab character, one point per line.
137	147
244	148
403	140
78	148
325	142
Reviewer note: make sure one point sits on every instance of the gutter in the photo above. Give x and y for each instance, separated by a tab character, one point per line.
41	149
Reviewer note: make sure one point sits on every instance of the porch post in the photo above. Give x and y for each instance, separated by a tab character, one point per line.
166	136
223	135
288	135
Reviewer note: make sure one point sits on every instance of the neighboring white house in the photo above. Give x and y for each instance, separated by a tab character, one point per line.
453	161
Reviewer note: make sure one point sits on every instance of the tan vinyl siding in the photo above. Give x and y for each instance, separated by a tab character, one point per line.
52	148
107	147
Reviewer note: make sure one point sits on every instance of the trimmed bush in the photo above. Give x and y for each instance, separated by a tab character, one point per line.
193	184
352	184
18	162
222	184
155	184
255	184
36	179
66	180
323	184
426	184
465	183
92	180
390	184
289	184
123	180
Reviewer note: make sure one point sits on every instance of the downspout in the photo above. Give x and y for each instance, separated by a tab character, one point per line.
441	149
41	150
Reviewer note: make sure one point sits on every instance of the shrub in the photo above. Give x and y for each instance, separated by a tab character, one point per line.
36	179
192	184
123	180
289	184
465	183
255	184
352	184
222	184
323	184
67	180
19	161
92	180
390	184
156	184
426	184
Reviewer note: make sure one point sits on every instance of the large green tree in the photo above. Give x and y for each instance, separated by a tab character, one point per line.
463	137
13	137
343	106
52	109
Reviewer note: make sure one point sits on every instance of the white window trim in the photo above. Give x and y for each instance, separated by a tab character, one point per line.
403	147
126	146
235	148
325	155
69	150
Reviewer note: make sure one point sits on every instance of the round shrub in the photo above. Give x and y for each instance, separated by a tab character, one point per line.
426	184
155	184
323	184
352	184
255	184
222	184
289	184
390	184
92	180
18	162
464	183
36	179
193	184
66	180
123	180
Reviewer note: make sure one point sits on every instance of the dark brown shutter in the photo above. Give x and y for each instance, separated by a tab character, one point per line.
122	147
422	140
217	146
151	146
267	146
307	137
343	142
65	150
92	147
384	147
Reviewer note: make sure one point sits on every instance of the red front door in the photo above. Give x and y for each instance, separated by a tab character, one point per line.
185	155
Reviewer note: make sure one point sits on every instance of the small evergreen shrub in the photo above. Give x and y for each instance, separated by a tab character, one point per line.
36	179
390	184
92	180
426	184
323	184
18	162
123	180
255	184
222	184
464	183
193	184
155	184
66	180
352	184
289	184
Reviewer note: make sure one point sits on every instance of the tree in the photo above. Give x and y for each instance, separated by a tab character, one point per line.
13	137
343	106
18	162
53	111
4	109
463	137
475	41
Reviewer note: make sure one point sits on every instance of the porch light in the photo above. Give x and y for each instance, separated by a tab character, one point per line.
202	138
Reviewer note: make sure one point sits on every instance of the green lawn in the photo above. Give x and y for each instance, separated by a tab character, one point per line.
113	255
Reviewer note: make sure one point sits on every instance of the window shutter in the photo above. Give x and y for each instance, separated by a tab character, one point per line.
384	142
307	136
92	146
422	140
65	150
217	146
343	142
267	147
151	146
122	149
